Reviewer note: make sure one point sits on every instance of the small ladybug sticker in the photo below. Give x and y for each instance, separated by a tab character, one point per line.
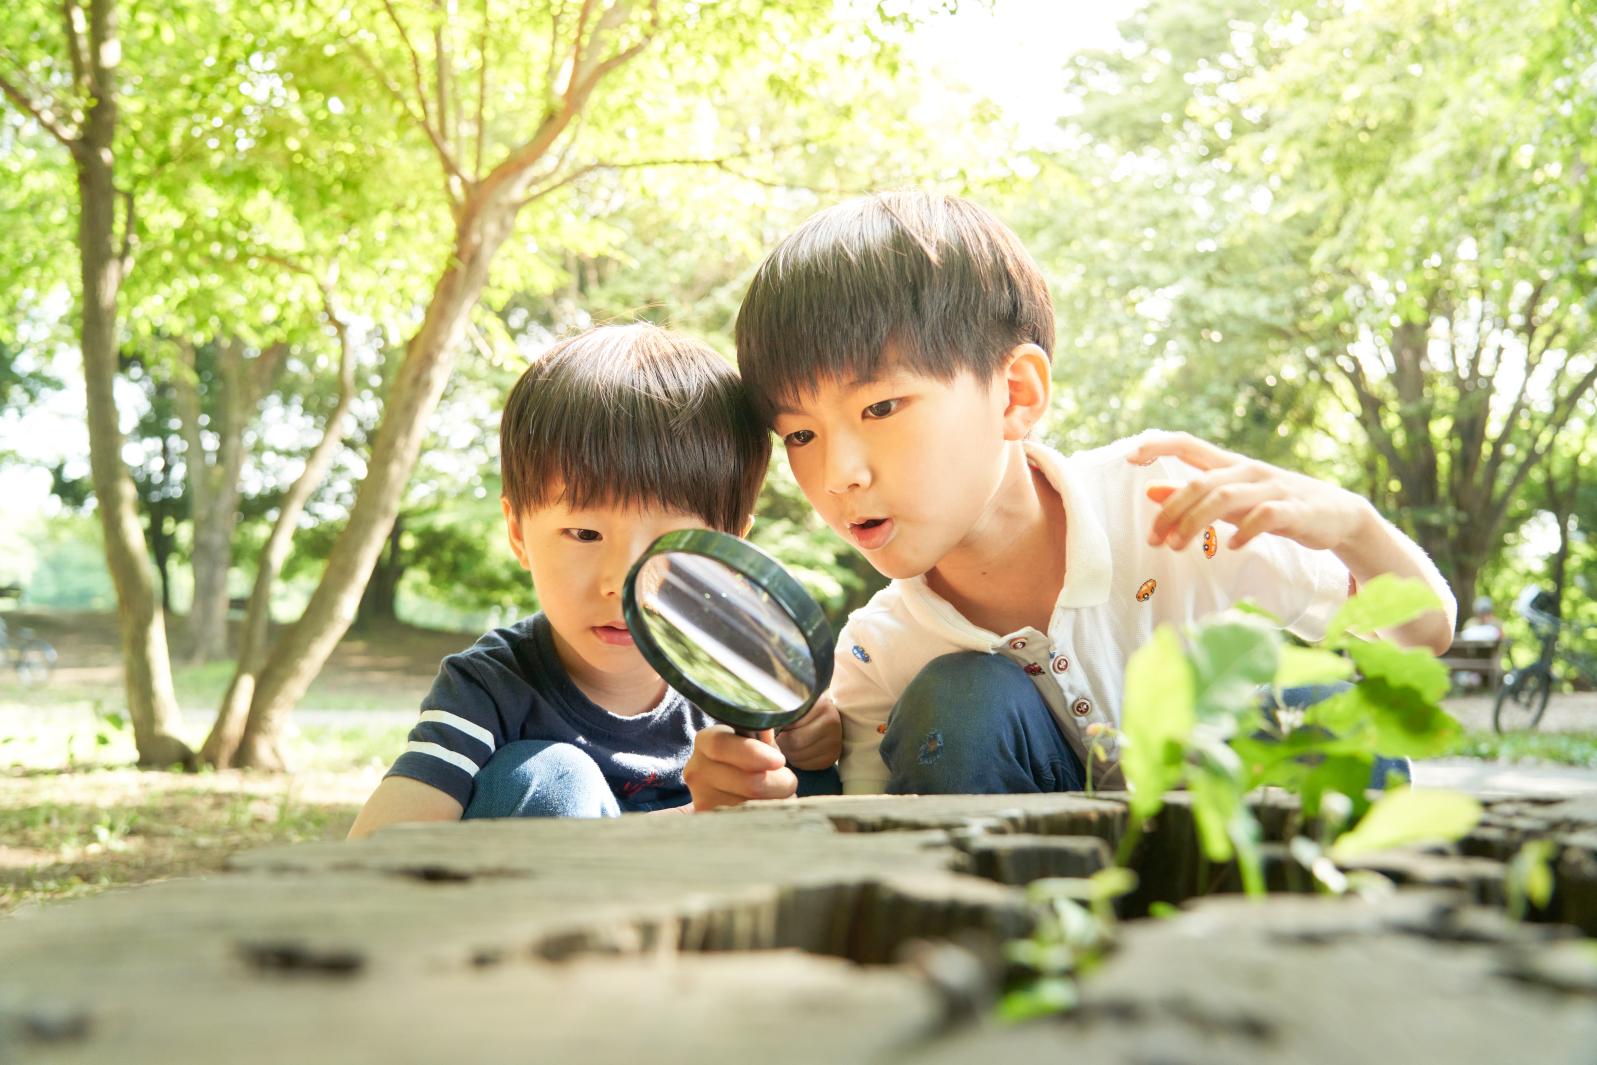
881	730
1211	542
1034	669
860	653
1145	592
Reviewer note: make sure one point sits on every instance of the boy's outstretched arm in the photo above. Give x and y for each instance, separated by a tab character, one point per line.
1260	498
399	799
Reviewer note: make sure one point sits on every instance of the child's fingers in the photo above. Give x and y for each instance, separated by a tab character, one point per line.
815	748
1268	517
1184	446
719	743
1228	502
1195	498
727	788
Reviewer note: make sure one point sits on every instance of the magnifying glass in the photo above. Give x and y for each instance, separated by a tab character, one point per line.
729	628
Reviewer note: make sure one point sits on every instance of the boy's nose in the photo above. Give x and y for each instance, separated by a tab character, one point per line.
613	574
846	469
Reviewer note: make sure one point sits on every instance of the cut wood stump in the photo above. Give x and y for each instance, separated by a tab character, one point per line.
823	930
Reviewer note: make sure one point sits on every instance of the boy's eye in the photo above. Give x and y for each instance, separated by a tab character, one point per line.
584	536
799	437
883	408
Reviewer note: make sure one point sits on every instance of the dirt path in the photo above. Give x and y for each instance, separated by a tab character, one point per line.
1566	712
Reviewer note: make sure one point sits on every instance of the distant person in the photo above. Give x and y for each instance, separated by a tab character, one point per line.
1483	624
900	346
613	438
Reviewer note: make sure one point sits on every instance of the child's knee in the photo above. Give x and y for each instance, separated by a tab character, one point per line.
948	723
538	778
525	760
950	690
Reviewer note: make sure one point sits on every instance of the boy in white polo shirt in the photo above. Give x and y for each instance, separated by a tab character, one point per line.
900	347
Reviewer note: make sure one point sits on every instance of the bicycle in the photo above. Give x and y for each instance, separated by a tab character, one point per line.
32	658
1522	696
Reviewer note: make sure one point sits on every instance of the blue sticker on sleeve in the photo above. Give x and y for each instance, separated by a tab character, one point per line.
859	653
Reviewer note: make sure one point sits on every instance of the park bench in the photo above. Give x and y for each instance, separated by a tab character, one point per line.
1477	657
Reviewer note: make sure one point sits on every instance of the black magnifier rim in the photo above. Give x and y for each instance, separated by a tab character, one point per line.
767	573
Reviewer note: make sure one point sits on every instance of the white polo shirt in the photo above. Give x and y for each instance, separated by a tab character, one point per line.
1117	590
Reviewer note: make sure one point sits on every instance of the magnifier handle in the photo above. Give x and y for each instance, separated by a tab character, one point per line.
753	733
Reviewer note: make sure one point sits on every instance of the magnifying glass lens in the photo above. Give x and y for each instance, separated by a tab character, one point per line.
724	633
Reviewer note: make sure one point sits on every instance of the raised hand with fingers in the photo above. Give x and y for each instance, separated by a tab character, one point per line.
1254	496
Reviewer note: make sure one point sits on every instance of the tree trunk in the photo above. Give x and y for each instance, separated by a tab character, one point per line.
152	703
1561	501
221	746
484	210
417	387
379	600
214	486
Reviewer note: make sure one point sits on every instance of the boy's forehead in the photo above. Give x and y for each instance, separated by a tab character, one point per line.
839	386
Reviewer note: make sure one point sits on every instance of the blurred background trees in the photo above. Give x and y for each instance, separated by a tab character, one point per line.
1353	237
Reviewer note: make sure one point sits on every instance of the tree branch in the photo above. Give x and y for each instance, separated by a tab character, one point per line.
441	79
482	89
434	134
42	114
74	36
722	163
125	252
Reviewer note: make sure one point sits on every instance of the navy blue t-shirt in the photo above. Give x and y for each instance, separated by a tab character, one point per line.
510	686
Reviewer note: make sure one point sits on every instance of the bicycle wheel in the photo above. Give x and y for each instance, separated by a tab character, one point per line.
34	662
1522	699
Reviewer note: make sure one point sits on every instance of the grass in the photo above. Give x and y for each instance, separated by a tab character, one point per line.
77	818
1557	748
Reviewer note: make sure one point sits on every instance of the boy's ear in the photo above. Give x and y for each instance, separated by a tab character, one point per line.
1029	380
746	527
513	531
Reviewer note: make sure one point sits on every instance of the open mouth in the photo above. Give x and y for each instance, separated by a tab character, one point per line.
872	532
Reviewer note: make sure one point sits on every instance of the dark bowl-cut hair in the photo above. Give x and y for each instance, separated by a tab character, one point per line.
633	415
938	279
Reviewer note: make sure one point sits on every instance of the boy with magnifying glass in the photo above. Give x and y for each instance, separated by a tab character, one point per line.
609	440
900	346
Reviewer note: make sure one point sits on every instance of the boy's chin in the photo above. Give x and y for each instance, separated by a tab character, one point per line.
895	567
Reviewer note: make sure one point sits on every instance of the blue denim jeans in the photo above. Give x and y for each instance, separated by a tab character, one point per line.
539	778
974	723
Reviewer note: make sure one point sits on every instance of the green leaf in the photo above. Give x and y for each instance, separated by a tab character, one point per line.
1406	723
1413	668
1407	817
1384	602
1310	665
1529	878
1341	774
1111	883
1157	719
1043	998
1231	662
1214	803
